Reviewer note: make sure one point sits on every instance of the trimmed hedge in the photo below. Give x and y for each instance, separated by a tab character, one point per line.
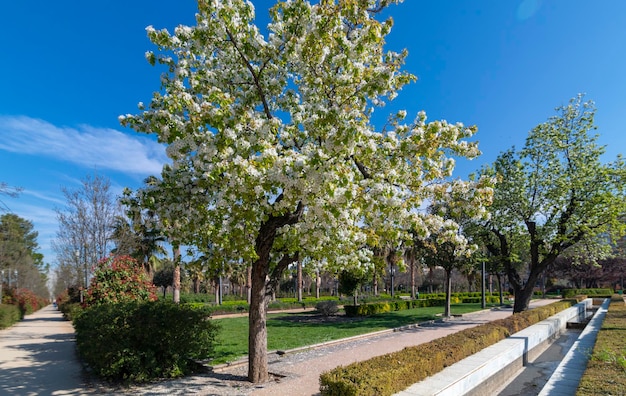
239	306
398	305
394	372
389	306
9	315
606	370
571	293
142	341
70	310
475	300
327	308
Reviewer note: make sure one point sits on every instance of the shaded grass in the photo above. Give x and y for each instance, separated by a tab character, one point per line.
293	330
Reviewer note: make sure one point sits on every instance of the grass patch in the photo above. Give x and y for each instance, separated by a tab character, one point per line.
293	330
606	370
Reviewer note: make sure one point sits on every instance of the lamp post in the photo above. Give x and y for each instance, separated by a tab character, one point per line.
85	259
392	273
483	303
77	254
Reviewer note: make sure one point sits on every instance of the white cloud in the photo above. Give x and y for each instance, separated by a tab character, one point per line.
45	197
85	145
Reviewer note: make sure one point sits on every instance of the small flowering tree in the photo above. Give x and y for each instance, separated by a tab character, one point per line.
119	279
274	154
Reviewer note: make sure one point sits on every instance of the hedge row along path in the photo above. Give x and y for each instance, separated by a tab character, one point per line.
38	356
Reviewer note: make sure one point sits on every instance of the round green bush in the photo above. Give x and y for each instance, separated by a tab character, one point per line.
141	341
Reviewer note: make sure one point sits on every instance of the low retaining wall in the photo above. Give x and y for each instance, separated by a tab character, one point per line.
493	366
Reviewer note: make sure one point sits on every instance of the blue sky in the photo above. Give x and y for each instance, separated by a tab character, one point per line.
70	68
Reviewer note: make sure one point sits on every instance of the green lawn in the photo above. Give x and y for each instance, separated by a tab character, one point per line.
284	332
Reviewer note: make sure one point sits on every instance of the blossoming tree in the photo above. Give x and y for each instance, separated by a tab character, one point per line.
555	197
274	154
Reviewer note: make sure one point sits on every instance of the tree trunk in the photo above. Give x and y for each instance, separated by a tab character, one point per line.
257	336
249	284
299	280
261	288
196	285
375	285
318	282
409	255
446	312
523	296
413	290
500	288
218	290
176	285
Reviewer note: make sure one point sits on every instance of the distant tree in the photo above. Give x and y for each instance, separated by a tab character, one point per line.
20	259
350	281
164	277
86	226
139	233
554	193
448	249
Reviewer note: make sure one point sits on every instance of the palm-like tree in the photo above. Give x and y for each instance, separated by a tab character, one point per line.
140	237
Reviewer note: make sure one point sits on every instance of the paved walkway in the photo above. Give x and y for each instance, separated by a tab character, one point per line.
37	357
303	376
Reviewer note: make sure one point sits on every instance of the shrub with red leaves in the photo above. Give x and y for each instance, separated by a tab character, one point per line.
119	279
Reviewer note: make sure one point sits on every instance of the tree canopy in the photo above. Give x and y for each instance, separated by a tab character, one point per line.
274	152
20	259
554	193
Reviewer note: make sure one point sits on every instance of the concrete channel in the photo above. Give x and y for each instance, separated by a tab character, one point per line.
545	359
534	376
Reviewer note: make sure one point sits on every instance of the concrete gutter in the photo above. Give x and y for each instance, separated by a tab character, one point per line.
565	379
491	367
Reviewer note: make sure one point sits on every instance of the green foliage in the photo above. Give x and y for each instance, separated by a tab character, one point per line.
238	306
195	297
391	373
393	305
119	279
570	293
71	310
18	243
68	302
293	330
350	280
114	341
426	300
474	300
165	278
327	307
606	370
560	178
9	315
